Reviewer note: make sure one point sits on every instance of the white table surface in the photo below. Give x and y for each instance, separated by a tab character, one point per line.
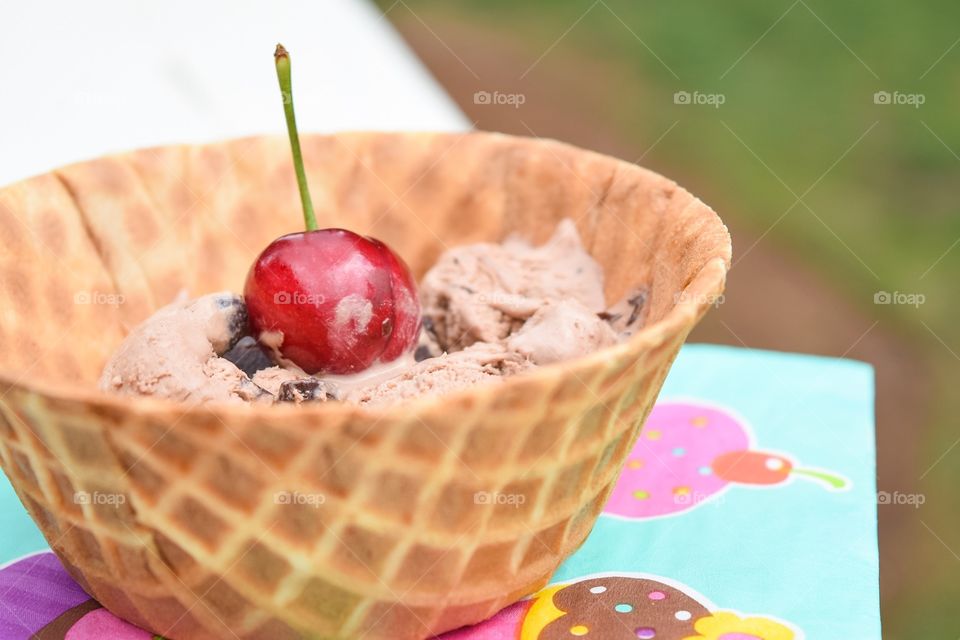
80	79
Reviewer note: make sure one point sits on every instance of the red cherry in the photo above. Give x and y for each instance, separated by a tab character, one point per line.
342	301
752	467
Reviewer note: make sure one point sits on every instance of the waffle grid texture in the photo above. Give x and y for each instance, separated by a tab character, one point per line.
330	521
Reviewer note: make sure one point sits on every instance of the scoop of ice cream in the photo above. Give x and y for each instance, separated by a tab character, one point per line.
176	354
479	363
561	331
483	292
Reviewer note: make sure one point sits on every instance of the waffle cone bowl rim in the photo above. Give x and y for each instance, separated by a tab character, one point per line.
688	310
638	364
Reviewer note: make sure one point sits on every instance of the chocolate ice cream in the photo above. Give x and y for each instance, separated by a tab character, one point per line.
176	353
480	363
490	311
561	331
484	292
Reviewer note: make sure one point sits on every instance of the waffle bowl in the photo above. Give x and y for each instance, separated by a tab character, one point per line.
327	521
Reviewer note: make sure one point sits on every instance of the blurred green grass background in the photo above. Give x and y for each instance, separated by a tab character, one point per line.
802	157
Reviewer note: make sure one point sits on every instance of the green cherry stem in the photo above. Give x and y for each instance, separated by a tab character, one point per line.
282	60
835	482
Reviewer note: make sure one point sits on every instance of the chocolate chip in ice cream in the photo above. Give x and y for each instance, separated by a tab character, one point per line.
627	316
307	390
249	356
233	313
636	303
428	345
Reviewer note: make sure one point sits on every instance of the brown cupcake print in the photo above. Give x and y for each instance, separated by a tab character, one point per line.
627	607
620	607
